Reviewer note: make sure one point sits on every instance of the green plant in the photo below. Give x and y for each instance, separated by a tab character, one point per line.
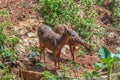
48	76
7	52
87	3
118	11
3	36
14	41
40	64
82	50
107	59
9	55
118	50
58	11
26	4
8	39
100	2
63	71
90	75
117	14
76	68
118	78
35	52
4	13
5	74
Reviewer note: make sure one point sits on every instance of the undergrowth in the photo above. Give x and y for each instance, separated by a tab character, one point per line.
8	40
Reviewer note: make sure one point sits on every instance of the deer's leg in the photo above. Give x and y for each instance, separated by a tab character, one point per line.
55	59
58	58
43	53
42	48
72	49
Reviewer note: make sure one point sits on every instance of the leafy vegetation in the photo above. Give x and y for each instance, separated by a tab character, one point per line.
108	60
35	51
90	75
99	2
48	76
5	73
8	40
58	11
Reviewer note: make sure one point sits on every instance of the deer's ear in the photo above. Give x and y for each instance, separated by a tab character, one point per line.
55	27
65	27
73	27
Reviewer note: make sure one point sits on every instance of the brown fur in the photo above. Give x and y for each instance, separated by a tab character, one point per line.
53	41
74	40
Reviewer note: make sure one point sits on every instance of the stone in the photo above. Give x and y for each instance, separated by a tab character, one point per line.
20	48
111	35
31	35
23	31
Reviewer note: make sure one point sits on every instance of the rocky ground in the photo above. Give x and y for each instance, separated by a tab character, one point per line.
26	21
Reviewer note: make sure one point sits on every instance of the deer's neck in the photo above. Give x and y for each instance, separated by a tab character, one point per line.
64	39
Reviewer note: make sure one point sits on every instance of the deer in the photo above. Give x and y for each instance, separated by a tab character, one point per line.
53	41
73	41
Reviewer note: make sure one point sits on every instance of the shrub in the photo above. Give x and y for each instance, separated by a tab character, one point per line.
8	38
5	73
58	11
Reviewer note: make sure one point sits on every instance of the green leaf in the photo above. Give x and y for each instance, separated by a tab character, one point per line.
108	61
118	11
98	65
85	73
4	12
14	40
104	52
105	60
33	55
95	73
118	50
49	75
112	55
117	56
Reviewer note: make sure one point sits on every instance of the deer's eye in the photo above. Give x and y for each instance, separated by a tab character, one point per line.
73	35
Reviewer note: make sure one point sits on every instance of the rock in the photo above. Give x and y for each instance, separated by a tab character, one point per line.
31	35
23	31
33	22
24	24
111	35
33	42
26	40
20	48
63	50
20	41
26	44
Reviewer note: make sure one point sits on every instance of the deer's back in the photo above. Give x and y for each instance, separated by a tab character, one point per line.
47	37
